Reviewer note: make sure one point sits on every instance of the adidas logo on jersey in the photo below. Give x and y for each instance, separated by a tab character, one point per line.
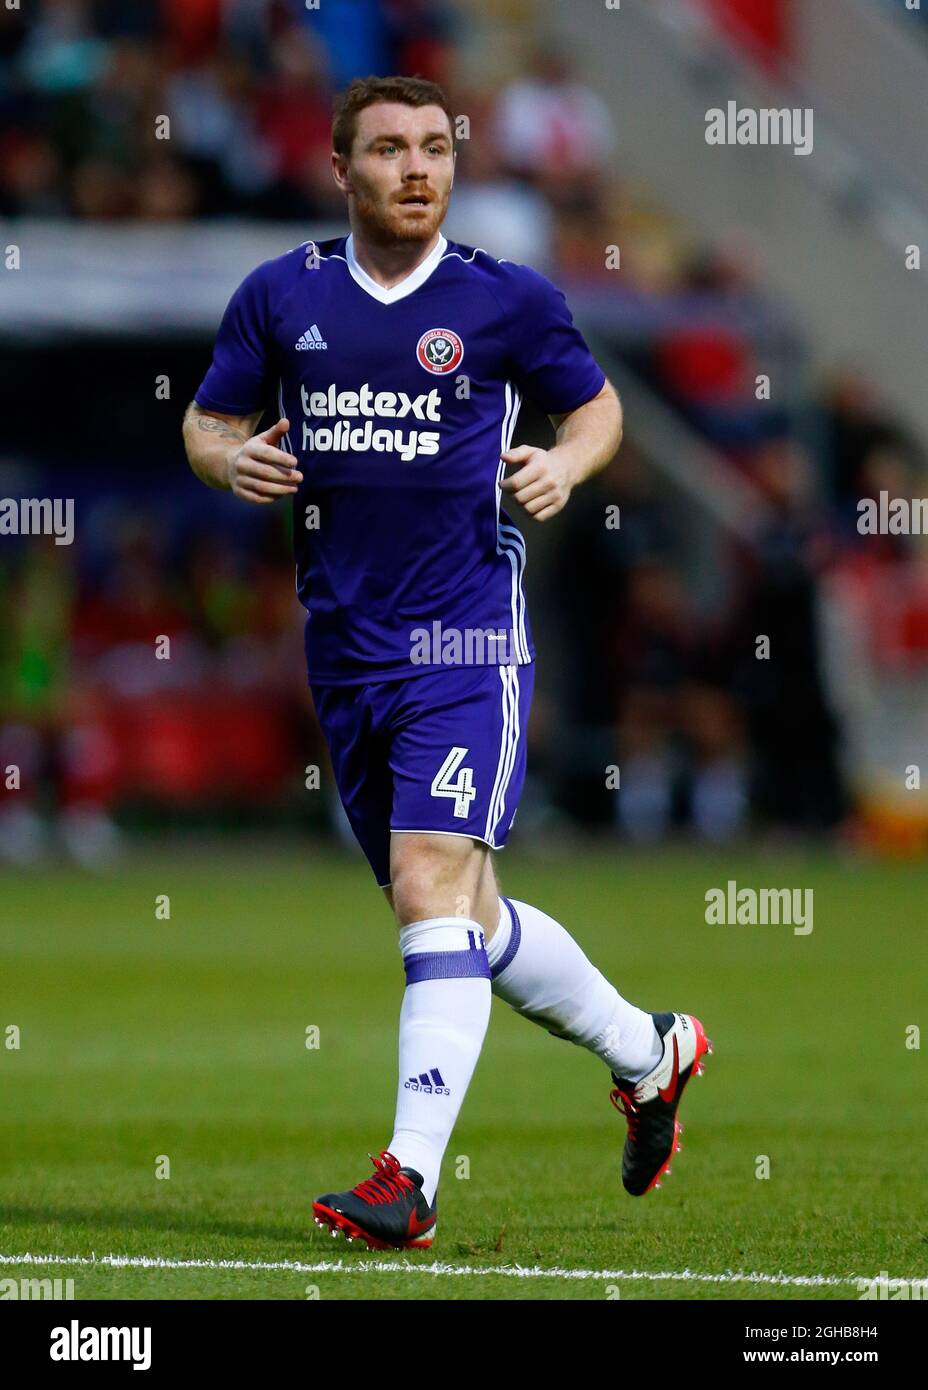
311	340
432	1083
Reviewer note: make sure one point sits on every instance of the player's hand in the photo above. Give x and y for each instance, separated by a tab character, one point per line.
260	472
543	482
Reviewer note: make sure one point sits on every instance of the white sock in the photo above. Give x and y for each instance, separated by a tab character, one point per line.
538	968
443	1021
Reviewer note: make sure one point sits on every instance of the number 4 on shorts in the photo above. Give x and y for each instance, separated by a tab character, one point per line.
463	789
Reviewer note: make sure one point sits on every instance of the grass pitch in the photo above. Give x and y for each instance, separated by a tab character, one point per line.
143	1039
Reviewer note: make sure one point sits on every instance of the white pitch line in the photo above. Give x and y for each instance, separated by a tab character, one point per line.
364	1266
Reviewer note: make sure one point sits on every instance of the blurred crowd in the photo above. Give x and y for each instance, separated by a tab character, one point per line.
708	739
247	85
159	667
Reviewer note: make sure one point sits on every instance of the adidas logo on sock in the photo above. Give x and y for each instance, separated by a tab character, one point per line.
431	1082
310	340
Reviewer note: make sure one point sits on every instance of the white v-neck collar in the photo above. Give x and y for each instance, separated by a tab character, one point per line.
413	280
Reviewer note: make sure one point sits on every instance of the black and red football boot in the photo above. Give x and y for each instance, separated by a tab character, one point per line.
388	1209
650	1104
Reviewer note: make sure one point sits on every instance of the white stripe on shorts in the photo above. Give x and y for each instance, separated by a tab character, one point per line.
509	744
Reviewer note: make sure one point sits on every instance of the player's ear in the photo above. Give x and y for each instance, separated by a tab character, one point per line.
340	172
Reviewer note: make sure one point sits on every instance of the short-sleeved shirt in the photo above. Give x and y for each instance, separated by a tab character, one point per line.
400	403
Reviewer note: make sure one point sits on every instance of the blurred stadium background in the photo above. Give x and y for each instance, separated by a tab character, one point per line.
737	514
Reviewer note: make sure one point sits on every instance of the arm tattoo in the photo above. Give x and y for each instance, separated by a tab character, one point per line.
211	425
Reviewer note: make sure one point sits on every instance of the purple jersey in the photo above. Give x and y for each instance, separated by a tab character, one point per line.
400	402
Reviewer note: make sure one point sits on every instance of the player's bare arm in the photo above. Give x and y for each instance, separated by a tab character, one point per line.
224	452
587	438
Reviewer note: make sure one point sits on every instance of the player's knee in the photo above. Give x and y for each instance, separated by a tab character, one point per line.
420	890
432	877
414	900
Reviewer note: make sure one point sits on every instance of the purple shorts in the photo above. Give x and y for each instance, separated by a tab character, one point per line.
440	752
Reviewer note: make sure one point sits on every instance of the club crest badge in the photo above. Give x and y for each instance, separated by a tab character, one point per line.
439	350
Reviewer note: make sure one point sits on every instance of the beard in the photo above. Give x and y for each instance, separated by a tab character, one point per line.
386	223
